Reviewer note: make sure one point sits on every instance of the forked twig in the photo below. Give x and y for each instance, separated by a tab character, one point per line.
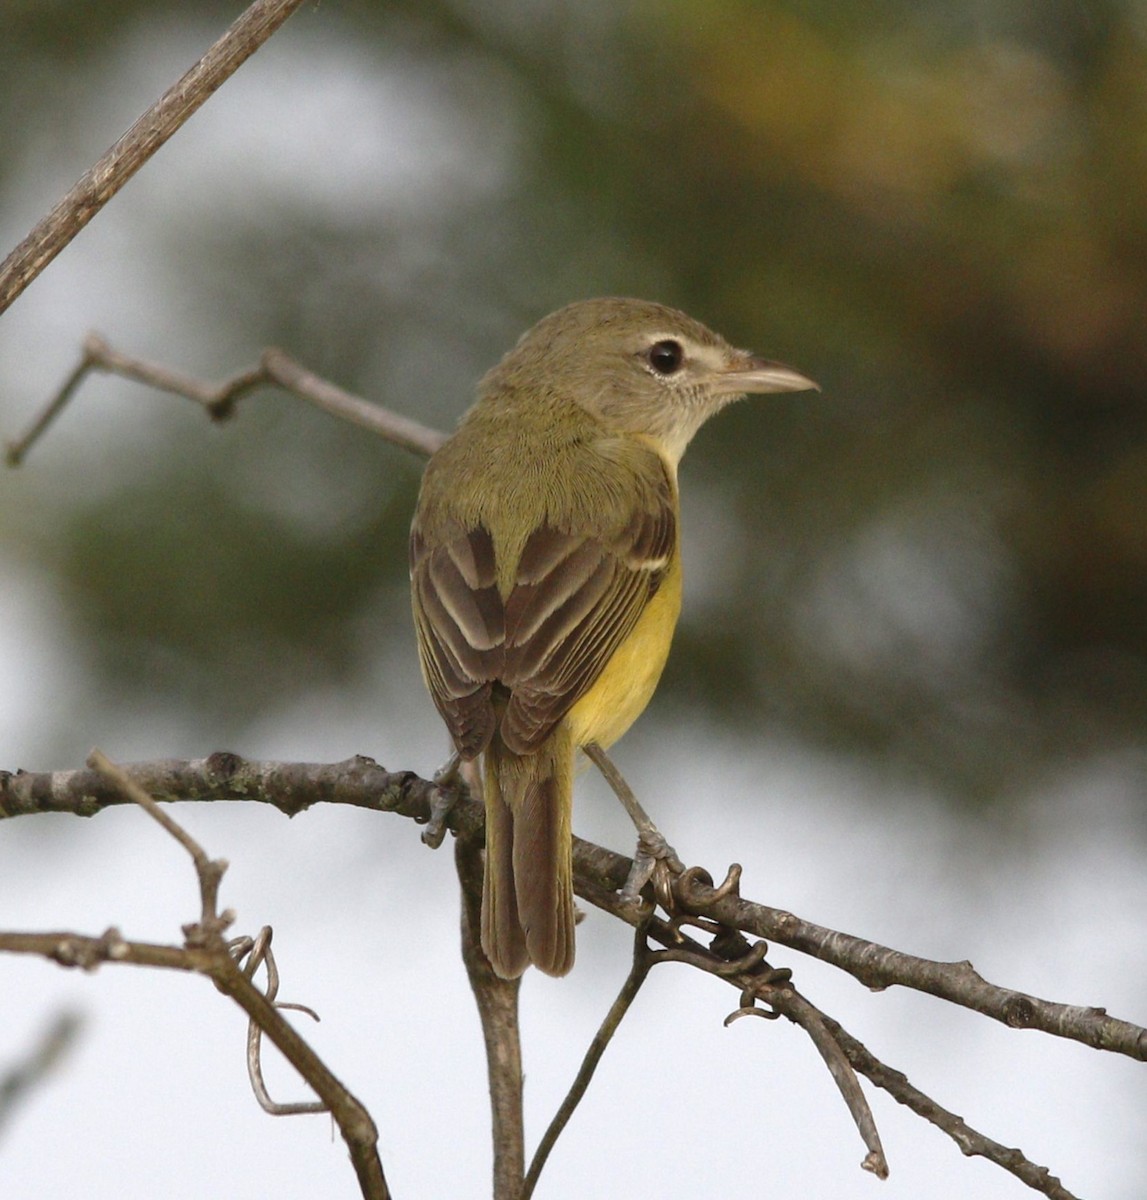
971	1141
730	957
770	986
274	369
206	951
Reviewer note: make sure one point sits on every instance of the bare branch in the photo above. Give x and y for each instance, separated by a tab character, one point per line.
599	874
101	182
497	1001
402	431
642	961
758	981
290	787
969	1140
293	787
206	951
86	952
879	967
274	369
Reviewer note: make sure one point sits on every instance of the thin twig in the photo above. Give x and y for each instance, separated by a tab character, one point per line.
258	953
15	450
800	1011
209	871
730	957
101	182
394	427
206	951
970	1141
772	987
642	961
274	369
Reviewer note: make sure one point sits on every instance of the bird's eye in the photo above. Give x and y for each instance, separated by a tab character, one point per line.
666	357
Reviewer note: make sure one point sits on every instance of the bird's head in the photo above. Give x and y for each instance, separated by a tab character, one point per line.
639	367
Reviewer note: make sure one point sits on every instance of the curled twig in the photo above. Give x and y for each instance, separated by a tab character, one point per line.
258	953
206	951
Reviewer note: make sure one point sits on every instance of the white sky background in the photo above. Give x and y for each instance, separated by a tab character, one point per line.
155	1099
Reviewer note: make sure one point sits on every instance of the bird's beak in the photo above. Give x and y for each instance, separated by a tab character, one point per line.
747	373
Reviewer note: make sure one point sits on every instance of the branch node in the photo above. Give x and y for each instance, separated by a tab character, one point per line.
875	1162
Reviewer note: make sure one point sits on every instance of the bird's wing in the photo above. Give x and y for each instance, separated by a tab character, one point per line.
574	600
460	622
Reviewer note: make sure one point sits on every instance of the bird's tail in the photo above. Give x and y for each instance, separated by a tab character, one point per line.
527	893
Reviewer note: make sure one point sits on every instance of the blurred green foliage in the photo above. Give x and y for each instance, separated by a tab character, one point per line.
938	211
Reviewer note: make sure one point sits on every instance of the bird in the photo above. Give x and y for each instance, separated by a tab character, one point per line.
546	579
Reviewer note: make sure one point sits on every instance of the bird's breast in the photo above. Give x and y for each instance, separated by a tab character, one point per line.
625	686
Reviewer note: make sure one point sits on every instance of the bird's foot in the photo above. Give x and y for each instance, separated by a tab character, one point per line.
654	861
446	781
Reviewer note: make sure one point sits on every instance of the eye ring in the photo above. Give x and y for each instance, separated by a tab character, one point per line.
666	356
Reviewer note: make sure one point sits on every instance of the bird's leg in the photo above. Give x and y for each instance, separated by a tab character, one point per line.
448	774
446	780
654	858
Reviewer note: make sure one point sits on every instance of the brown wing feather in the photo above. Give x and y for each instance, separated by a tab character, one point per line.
460	622
592	597
573	602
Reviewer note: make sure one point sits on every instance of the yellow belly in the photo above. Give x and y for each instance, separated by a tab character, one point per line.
624	688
